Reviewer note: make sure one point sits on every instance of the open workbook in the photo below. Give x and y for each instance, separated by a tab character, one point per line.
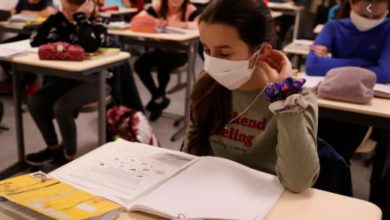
169	183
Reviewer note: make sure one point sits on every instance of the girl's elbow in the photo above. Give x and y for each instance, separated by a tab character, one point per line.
303	182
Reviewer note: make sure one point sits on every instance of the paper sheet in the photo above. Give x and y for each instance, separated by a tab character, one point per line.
215	188
10	49
122	171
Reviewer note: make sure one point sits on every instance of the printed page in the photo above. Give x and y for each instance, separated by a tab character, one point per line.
214	188
122	171
382	90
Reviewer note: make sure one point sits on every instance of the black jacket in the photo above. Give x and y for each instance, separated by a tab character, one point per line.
90	34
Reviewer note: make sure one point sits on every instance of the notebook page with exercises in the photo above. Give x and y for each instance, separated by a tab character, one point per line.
214	188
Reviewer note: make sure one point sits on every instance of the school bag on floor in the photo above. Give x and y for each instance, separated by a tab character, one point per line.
130	125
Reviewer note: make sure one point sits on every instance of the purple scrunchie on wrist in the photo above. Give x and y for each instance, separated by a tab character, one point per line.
280	91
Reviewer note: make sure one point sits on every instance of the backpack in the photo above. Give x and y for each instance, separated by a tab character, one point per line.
130	125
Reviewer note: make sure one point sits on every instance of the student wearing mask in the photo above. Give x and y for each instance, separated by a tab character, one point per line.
176	13
231	116
60	98
360	38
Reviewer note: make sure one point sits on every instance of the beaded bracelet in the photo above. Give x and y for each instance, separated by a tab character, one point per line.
280	91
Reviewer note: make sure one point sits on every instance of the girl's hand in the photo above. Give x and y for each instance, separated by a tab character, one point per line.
320	50
276	66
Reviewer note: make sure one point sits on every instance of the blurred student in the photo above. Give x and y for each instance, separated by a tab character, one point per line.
61	99
175	13
361	38
39	8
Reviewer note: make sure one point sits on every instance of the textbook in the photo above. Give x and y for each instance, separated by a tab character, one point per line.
169	183
38	195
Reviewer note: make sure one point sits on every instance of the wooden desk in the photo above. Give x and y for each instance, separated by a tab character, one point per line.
83	71
289	8
298	49
377	108
187	42
318	28
276	14
308	205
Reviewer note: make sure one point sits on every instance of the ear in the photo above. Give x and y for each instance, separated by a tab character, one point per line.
265	51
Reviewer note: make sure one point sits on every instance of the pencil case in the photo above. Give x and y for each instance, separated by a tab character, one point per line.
61	51
144	24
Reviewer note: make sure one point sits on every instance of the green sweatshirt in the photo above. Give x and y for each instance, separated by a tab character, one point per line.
281	145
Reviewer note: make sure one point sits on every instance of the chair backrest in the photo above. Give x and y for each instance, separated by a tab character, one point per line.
335	173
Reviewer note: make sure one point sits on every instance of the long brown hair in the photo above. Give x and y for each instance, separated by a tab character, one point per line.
164	8
211	106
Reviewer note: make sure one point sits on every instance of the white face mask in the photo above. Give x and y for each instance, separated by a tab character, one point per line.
232	74
365	24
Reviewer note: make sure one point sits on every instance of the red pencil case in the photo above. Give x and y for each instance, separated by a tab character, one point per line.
61	51
109	8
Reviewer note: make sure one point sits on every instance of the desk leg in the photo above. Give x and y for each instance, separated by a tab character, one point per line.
102	108
296	25
191	54
20	165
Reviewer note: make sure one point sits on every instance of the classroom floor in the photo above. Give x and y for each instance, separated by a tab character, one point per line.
87	134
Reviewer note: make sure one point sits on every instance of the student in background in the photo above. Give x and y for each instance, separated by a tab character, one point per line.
61	99
362	39
39	8
230	114
176	13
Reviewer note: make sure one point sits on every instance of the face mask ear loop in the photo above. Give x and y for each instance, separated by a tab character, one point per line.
255	56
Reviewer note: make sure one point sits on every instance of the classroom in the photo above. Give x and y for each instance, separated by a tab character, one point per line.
195	109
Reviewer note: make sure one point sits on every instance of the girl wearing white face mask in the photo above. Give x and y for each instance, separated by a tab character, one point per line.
230	114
